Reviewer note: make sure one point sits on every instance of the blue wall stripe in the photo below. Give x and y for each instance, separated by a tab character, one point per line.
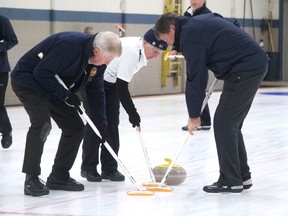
100	17
25	14
69	16
76	16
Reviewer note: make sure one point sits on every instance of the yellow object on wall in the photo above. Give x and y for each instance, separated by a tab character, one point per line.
171	68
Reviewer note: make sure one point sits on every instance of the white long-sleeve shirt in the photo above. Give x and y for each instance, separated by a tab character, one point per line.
129	63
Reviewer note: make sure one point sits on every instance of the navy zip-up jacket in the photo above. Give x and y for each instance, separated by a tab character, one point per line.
210	41
199	11
8	40
66	54
94	95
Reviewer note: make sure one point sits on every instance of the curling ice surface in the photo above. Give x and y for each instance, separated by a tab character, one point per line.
265	132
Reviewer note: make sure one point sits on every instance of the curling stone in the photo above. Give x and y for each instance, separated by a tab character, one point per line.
176	176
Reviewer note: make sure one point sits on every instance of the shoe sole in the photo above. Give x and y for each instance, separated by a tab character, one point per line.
35	194
63	187
206	128
246	187
90	179
111	179
222	191
93	180
203	128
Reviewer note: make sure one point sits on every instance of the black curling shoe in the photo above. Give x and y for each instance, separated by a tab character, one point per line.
218	188
68	185
113	176
6	141
35	187
91	176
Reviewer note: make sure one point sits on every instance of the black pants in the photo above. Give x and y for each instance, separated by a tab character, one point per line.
40	110
91	145
5	125
205	116
238	93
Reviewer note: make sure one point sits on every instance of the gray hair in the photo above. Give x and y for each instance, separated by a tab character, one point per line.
108	43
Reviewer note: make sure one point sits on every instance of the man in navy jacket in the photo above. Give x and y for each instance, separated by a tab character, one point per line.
210	41
198	7
66	55
8	40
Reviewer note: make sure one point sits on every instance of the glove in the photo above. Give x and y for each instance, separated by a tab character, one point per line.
72	100
134	119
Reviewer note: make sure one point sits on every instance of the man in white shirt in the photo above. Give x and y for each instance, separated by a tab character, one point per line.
136	53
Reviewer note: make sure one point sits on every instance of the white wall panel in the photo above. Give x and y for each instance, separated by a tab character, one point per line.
26	4
228	8
88	5
144	6
235	8
130	6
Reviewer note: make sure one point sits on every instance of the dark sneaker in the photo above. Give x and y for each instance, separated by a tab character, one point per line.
204	127
92	176
218	188
68	185
200	127
185	128
113	176
247	184
6	141
35	187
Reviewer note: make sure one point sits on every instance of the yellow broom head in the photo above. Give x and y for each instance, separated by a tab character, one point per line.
140	193
160	189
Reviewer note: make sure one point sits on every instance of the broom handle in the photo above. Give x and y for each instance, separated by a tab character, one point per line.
271	36
174	160
205	101
81	111
146	155
108	147
209	93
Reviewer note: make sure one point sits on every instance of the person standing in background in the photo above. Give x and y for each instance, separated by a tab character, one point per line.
89	30
198	7
8	40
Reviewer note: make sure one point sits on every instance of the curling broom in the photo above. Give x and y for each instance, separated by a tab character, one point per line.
161	184
139	191
153	182
143	145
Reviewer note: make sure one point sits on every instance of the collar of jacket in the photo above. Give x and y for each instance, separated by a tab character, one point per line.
202	10
89	42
